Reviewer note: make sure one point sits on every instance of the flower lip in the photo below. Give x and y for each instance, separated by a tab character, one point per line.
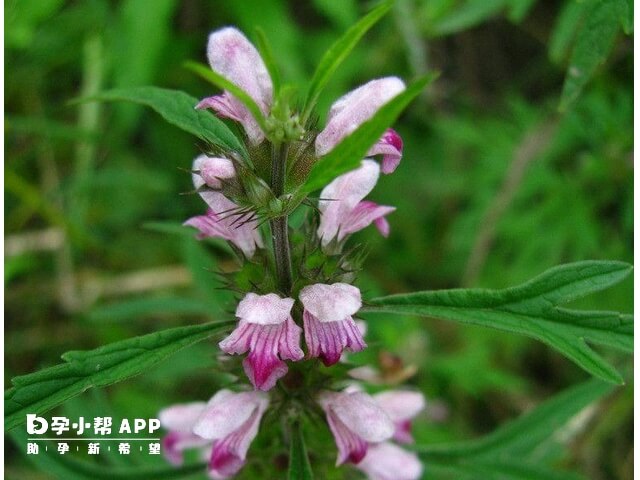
267	309
331	303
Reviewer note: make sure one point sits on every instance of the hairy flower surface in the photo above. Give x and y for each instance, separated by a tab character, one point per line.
180	420
355	108
268	332
355	421
401	406
234	57
329	327
342	208
386	461
222	219
231	421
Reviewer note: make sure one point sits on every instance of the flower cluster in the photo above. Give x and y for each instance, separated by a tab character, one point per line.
272	321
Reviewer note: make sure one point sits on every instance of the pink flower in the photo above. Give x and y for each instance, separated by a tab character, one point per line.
268	332
231	55
401	406
328	325
355	108
180	420
386	461
355	421
342	208
222	219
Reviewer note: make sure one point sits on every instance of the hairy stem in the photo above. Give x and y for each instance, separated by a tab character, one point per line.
279	226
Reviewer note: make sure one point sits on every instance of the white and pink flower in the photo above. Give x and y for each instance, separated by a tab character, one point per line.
235	58
386	461
355	108
222	218
401	406
228	422
268	332
180	420
355	421
329	327
342	208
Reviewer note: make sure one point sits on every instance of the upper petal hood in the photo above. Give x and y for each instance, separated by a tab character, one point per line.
354	108
358	412
331	303
226	412
401	404
264	309
231	55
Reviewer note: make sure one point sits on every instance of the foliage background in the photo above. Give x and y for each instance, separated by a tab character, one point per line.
496	185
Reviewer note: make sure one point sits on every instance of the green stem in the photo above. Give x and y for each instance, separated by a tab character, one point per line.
279	226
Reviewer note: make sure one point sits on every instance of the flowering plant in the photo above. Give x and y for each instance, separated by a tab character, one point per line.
298	320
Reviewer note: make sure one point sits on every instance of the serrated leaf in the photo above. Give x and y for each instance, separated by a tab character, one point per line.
41	391
531	309
219	81
299	466
338	52
178	109
348	154
594	42
509	452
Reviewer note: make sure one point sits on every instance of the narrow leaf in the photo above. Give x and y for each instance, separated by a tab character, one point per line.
348	154
41	391
594	42
299	467
532	309
178	109
338	52
509	453
219	81
269	60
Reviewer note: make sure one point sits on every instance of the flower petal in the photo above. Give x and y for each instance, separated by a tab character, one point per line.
264	309
353	109
231	55
327	340
401	404
213	169
359	412
181	418
331	303
386	461
365	214
390	147
228	412
342	196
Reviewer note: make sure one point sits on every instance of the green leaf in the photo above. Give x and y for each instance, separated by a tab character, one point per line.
594	42
564	30
178	109
219	81
299	467
266	52
531	309
467	15
41	391
348	154
338	52
509	452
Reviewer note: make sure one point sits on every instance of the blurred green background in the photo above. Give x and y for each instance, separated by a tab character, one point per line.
496	185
